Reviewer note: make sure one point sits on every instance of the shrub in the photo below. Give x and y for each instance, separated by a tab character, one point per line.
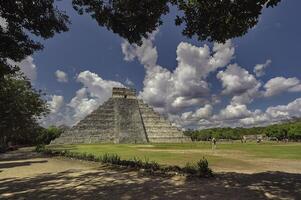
40	148
189	168
203	169
49	134
111	158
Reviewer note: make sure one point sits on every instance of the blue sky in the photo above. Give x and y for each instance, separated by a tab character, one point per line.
88	49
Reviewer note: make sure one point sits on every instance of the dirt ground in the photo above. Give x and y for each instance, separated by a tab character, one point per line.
27	175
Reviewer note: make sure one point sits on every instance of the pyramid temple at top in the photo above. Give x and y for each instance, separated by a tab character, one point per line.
122	119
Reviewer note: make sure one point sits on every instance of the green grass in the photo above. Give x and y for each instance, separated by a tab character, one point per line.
226	154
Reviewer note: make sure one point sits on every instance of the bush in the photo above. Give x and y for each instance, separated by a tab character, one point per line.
49	134
189	168
40	148
203	169
111	158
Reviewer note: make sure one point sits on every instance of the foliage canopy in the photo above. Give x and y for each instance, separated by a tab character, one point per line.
20	107
288	130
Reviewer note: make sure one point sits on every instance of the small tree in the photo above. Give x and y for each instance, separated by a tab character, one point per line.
49	134
20	108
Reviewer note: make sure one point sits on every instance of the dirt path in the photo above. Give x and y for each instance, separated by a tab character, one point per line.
27	175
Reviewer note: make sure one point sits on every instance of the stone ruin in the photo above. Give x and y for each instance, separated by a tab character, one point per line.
122	119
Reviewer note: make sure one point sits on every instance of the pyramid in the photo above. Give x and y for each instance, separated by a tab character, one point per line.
122	119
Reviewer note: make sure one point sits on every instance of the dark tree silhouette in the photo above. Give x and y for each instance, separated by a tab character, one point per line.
131	19
220	20
20	19
207	19
20	107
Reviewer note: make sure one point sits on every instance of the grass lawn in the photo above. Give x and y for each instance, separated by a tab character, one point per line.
227	156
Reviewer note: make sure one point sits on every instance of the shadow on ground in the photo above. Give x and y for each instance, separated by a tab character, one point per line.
23	154
108	184
6	165
84	180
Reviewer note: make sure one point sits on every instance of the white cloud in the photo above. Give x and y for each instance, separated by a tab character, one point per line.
274	114
146	53
82	104
259	68
55	103
173	91
278	85
55	117
293	109
96	86
61	76
239	115
129	83
95	91
236	80
201	113
27	66
233	111
239	83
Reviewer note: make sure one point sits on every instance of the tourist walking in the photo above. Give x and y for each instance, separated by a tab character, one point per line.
213	143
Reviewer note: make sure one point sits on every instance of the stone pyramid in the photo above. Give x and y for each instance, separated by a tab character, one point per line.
122	119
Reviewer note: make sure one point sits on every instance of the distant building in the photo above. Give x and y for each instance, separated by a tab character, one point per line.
122	119
254	137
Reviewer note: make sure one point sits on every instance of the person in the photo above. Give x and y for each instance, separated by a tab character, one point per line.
213	143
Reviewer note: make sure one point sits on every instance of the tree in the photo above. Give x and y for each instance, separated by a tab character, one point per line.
20	104
207	19
220	20
20	108
46	135
131	19
20	20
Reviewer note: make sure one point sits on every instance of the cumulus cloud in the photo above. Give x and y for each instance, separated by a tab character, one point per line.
201	113
55	103
61	76
234	111
259	68
239	83
293	109
94	92
27	66
236	80
274	114
171	92
278	85
146	53
240	116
